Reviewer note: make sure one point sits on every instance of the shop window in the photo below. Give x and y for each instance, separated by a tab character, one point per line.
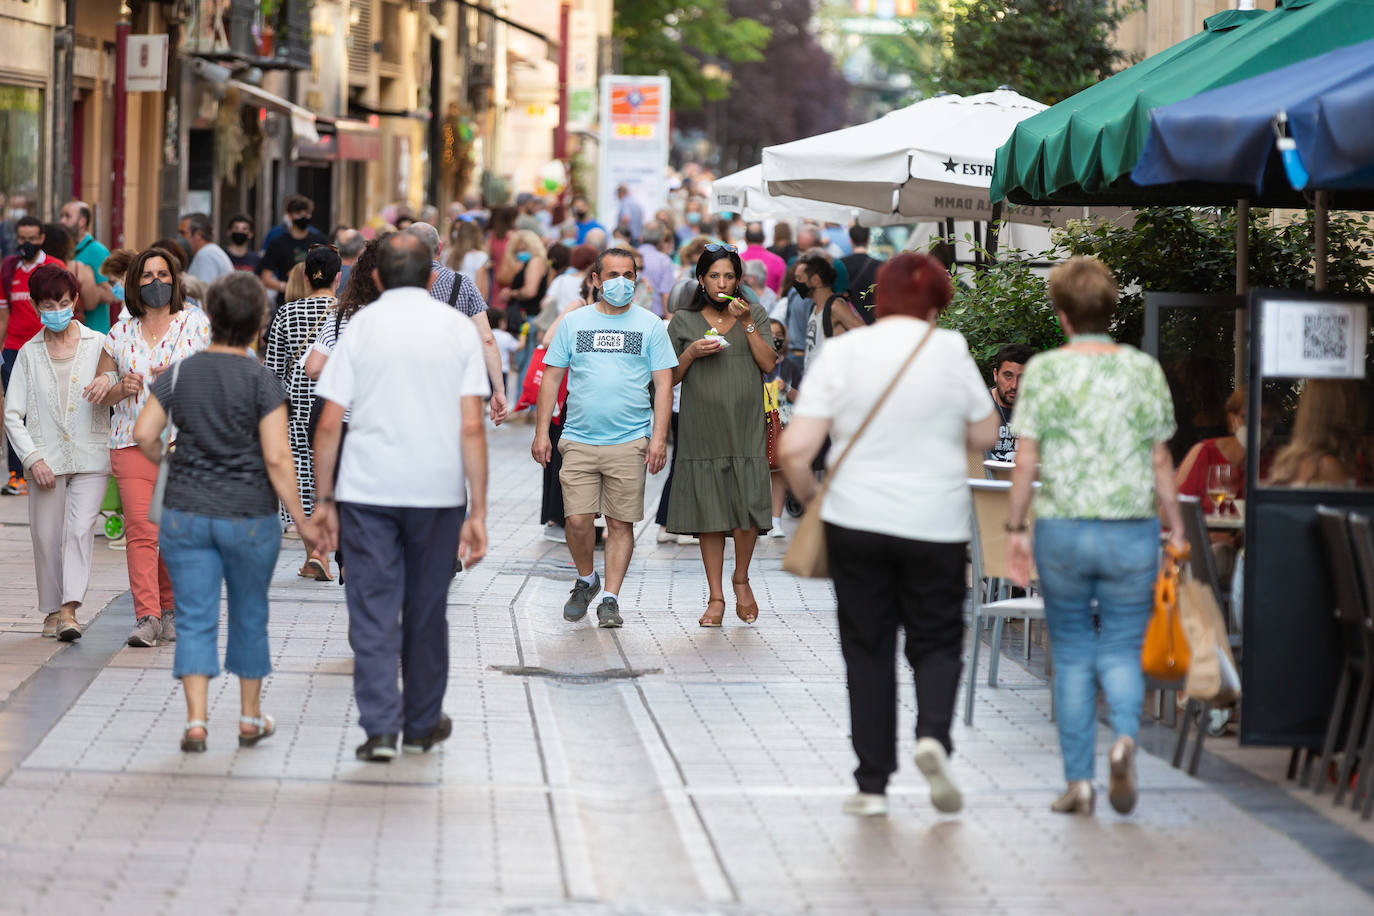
21	138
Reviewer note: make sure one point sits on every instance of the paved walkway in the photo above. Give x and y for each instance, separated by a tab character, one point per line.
655	769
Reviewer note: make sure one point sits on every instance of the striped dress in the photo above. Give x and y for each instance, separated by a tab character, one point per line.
294	328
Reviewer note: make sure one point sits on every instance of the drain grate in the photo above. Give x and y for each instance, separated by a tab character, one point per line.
576	677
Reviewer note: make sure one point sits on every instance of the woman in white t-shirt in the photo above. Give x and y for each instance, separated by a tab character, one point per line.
896	514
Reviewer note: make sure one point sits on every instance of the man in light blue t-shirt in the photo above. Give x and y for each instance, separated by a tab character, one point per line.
610	352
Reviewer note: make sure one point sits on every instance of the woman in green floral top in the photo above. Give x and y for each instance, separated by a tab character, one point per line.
1095	417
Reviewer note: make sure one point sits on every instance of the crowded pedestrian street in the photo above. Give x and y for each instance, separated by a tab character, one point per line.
655	768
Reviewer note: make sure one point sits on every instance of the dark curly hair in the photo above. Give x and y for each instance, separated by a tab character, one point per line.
361	289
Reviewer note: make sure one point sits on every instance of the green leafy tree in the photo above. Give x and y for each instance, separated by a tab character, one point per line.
1044	49
665	36
1006	303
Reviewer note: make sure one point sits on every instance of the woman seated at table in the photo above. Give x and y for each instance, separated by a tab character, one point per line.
1191	478
1325	449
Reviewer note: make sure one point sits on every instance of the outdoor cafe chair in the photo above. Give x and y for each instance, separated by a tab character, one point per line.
1202	566
1356	671
988	552
1362	542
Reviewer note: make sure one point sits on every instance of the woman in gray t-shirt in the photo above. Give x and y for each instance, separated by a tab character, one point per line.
231	464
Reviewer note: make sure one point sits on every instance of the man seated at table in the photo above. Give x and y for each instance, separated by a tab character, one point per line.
1007	367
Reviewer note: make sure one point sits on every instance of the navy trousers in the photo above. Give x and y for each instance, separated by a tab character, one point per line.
400	564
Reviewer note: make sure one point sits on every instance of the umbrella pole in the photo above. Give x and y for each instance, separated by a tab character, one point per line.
1242	285
994	231
1319	231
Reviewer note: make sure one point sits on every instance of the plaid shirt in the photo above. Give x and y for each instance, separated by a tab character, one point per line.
469	300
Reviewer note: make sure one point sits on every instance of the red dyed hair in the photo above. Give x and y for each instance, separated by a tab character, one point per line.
49	283
912	284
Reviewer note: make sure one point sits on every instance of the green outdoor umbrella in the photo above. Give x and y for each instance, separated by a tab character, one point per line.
1082	150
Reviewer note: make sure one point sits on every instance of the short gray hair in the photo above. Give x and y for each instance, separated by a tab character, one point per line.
652	233
756	270
427	234
199	224
351	243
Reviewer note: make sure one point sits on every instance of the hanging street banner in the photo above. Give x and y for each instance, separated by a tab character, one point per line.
634	144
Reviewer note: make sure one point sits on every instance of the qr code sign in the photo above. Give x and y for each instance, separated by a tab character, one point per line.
1326	337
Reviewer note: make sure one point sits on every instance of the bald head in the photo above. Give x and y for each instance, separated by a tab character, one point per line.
76	217
403	260
428	236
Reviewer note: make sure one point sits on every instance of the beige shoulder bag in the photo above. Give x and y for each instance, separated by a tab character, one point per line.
806	556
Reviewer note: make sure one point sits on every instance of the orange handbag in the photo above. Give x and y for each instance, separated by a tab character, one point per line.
1165	655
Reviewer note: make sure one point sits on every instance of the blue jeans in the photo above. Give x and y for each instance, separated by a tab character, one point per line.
201	551
1114	563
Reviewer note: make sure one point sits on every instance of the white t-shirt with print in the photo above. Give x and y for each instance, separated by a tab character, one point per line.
402	366
908	474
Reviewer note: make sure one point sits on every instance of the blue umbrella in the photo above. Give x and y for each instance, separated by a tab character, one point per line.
1307	124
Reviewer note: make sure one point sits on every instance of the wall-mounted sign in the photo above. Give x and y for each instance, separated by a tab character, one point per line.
145	67
1308	338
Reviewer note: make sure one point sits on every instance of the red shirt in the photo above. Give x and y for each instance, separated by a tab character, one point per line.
24	321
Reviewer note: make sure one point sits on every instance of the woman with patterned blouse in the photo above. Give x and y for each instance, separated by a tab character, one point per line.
1096	418
294	329
161	330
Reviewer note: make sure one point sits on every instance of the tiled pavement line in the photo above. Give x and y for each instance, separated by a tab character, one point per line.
30	712
601	735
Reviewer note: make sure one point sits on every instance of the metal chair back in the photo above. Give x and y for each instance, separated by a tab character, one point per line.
991	510
1340	564
1200	559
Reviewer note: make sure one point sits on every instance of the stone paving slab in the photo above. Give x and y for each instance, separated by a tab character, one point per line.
658	769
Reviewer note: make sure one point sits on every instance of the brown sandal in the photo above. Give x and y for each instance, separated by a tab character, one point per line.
746	612
316	569
707	620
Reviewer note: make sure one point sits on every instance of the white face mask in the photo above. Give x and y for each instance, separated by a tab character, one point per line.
1241	436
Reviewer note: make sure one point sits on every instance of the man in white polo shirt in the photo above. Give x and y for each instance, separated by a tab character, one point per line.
410	370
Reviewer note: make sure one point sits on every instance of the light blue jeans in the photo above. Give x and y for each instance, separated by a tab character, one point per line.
1113	563
201	551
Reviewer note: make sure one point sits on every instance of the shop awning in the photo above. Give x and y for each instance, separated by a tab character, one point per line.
342	139
1083	149
302	119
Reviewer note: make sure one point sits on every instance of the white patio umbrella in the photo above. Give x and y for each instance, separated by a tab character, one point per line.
930	160
743	193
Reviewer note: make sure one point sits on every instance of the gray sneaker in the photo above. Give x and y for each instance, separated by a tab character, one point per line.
169	626
581	597
608	614
146	633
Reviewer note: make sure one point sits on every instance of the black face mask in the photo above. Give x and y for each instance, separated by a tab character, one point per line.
801	289
580	215
300	222
29	250
239	238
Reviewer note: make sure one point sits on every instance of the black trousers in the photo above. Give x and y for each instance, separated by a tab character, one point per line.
400	564
662	516
551	502
882	583
6	367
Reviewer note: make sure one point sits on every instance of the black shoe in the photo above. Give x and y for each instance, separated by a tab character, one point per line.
377	749
419	744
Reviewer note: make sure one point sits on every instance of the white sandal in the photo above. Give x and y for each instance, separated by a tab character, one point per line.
265	725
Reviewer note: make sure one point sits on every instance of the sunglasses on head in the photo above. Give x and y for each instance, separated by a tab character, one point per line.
323	245
721	246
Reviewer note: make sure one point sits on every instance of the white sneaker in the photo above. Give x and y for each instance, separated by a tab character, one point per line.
664	537
118	543
866	804
686	540
776	532
933	763
554	533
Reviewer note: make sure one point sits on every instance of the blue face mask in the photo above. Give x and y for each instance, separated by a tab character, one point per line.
56	321
118	290
618	291
694	217
523	257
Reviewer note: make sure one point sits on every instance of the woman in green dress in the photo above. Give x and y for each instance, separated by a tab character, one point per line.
720	486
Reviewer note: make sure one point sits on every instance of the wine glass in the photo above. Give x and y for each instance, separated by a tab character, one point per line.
1221	485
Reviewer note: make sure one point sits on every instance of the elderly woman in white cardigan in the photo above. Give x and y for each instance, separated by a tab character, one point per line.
63	441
